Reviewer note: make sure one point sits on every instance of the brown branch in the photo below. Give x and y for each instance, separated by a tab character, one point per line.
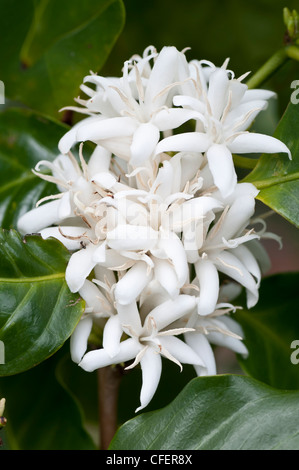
109	379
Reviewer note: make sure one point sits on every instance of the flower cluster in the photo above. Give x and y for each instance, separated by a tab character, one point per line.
160	231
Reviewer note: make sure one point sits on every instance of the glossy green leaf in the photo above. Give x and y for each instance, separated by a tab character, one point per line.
217	413
269	329
44	416
276	176
47	47
25	139
38	312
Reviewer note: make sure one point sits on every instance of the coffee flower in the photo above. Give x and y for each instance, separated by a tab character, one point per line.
158	242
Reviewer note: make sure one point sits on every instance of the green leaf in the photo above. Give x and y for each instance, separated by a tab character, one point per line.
38	312
276	176
44	416
25	139
217	413
47	47
269	329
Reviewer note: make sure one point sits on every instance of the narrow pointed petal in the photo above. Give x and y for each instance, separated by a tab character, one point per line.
79	339
173	118
39	218
63	233
94	298
247	258
257	143
163	73
208	278
144	142
111	336
100	358
171	310
258	94
106	129
186	142
79	267
132	284
128	315
234	344
65	209
222	168
175	251
230	265
70	138
181	351
104	179
218	91
202	347
166	276
99	161
151	365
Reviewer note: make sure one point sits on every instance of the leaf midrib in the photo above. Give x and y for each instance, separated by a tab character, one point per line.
25	280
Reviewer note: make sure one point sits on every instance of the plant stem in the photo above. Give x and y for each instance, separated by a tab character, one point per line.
109	379
269	68
267	183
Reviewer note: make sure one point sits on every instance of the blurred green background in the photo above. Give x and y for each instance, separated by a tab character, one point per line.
248	32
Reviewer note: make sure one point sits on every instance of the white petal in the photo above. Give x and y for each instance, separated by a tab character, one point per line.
173	118
165	274
79	339
186	142
65	209
222	168
217	92
104	179
39	218
99	161
94	298
132	284
129	316
258	94
238	114
70	138
112	334
106	129
171	310
201	346
151	365
229	264
209	286
229	342
132	237
175	251
181	351
257	143
247	258
163	74
59	233
100	358
79	267
99	254
144	142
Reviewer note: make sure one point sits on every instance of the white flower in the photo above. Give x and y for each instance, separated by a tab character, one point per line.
147	342
224	250
227	109
128	114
